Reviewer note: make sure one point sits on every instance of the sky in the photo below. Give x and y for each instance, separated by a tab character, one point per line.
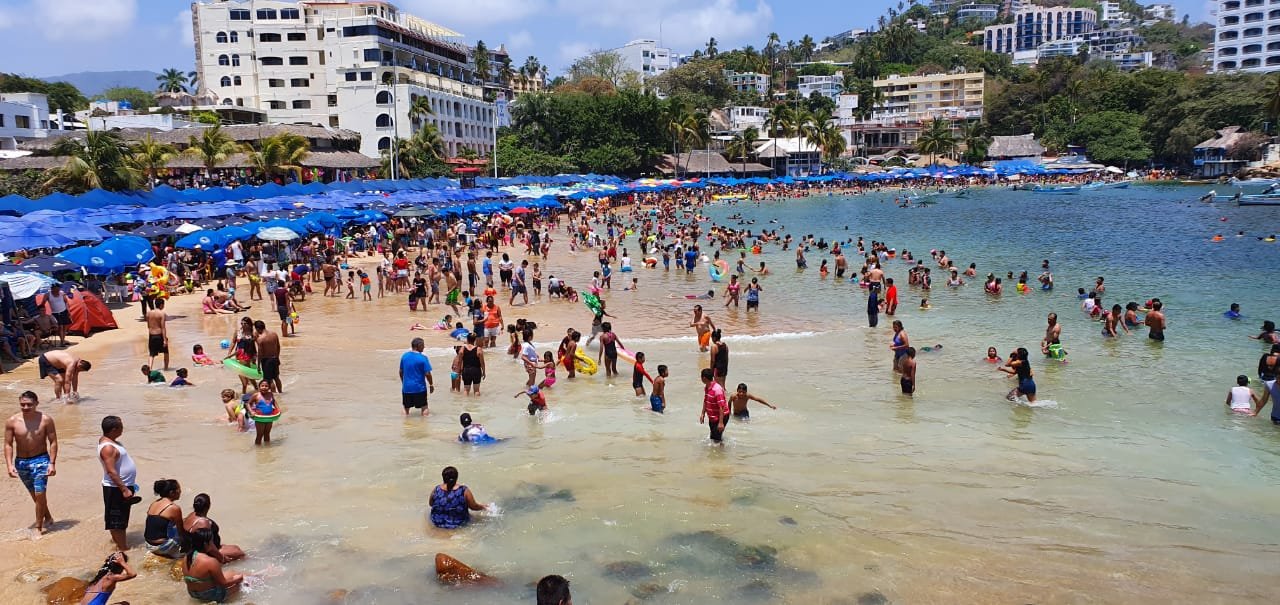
53	37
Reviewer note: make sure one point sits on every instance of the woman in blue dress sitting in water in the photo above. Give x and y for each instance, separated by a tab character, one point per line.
451	504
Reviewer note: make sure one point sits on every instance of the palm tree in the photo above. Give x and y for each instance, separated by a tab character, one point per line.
420	108
172	80
1273	100
505	72
712	51
532	68
481	55
193	80
976	142
150	157
695	129
100	161
671	122
781	121
807	47
771	50
742	145
418	156
936	139
279	154
213	147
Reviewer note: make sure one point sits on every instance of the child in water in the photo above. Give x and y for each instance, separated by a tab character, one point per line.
235	411
199	357
638	374
153	376
472	432
739	401
181	380
537	402
924	304
549	370
658	399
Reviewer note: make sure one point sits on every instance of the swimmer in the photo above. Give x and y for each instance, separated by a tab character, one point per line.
1233	312
638	374
924	304
153	376
548	369
739	401
181	380
992	356
471	432
1020	366
1052	334
1268	334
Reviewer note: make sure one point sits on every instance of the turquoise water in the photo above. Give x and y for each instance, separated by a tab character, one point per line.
1130	484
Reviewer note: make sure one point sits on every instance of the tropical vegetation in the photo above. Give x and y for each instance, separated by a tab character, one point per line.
212	146
101	160
279	154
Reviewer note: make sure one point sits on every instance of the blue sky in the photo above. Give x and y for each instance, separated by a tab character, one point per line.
50	37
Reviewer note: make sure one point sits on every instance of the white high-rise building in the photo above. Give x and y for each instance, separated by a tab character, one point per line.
24	116
828	86
1247	37
645	57
357	65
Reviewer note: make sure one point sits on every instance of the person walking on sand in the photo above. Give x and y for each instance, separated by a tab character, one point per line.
58	309
119	480
415	378
157	334
31	453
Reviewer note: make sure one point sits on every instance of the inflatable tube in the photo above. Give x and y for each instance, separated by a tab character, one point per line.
626	356
584	364
592	302
268	419
714	272
723	265
243	370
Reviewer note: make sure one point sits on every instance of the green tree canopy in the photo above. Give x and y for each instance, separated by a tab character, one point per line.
141	100
1112	137
62	95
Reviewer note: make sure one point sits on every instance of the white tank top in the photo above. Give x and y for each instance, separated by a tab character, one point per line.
125	468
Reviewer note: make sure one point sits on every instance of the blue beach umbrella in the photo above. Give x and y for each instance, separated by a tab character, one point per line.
23	237
49	264
205	240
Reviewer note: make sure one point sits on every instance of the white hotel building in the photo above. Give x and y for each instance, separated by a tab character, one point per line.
1247	37
349	64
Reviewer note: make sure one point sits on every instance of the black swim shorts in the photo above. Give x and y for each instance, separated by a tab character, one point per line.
156	345
414	400
270	367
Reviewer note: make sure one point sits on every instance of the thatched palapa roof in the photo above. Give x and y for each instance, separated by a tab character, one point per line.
694	163
1226	139
1020	146
182	161
240	133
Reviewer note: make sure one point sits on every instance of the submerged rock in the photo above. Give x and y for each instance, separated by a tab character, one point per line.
757	590
627	570
872	598
533	496
65	591
756	556
452	571
648	590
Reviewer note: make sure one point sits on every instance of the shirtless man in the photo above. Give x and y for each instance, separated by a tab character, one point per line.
842	264
1155	321
703	326
268	343
64	368
1052	334
876	275
157	334
36	440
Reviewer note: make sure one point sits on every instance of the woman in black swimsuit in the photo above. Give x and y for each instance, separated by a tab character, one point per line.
719	357
472	365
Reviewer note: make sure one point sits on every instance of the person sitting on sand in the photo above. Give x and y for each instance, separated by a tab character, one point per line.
199	519
200	358
203	574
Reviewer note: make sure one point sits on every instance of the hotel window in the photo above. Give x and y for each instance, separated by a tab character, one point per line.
225	81
235	37
302	104
1253	32
266	13
21	122
366	76
235	60
240	101
272	61
384	143
372	54
224	60
299	82
275	83
297	37
1	120
235	80
297	60
1248	63
1252	48
382	121
333	100
289	13
351	76
220	38
268	37
383	98
275	105
239	14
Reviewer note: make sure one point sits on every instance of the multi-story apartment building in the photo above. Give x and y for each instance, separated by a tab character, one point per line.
1112	14
1160	12
645	57
24	116
524	84
742	117
977	12
910	102
1035	25
353	64
828	86
747	81
1247	36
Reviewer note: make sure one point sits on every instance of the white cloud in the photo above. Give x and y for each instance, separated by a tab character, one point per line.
519	42
572	51
681	25
453	13
81	19
186	37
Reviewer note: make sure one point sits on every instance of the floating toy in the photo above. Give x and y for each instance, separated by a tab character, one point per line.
243	370
592	302
224	343
584	364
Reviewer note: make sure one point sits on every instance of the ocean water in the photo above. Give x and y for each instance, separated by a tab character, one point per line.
1128	483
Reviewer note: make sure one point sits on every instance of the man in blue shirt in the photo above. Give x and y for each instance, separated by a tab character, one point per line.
690	259
486	267
415	378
